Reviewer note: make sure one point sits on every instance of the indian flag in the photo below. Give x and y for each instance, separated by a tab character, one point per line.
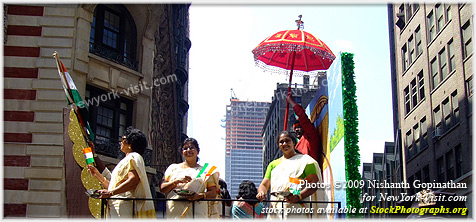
207	170
88	155
73	97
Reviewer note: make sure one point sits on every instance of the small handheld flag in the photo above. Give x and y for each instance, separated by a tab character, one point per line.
207	169
295	185
88	155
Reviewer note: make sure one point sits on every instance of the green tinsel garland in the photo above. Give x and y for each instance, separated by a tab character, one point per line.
351	138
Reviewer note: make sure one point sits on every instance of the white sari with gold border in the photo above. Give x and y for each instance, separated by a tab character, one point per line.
184	209
123	208
280	177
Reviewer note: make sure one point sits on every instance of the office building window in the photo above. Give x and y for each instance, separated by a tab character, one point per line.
416	138
409	143
443	63
437	116
440	20
421	86
454	104
467	35
450	165
441	169
447	113
431	26
434	72
414	89
426	174
113	35
404	57
469	89
411	48
406	93
419	49
409	13
451	54
424	132
459	161
448	11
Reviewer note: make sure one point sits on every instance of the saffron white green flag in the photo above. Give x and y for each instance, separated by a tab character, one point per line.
73	97
207	170
88	155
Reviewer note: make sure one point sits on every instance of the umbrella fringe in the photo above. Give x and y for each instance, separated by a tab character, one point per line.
278	70
280	47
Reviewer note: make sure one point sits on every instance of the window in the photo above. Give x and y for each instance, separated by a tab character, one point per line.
108	119
443	63
450	165
419	49
454	104
407	100
409	143
447	113
404	57
440	20
416	6
467	35
434	72
113	35
469	89
426	174
411	48
416	138
424	133
459	161
431	26
448	12
451	53
441	169
414	93
421	86
437	116
409	11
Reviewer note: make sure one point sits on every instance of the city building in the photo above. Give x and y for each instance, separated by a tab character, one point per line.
274	124
135	53
244	144
431	60
382	170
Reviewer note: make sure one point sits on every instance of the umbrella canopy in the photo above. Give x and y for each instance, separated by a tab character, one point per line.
275	53
295	51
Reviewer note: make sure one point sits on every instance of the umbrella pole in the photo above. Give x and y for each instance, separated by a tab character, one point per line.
289	91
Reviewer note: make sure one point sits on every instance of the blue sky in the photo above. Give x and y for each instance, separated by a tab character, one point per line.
220	58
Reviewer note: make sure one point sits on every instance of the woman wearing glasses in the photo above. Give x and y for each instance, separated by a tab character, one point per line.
191	181
127	180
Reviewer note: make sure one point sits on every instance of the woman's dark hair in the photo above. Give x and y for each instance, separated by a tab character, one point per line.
290	135
247	191
224	192
137	139
190	140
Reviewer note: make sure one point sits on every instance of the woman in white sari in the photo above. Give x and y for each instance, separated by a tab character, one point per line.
127	180
199	182
283	177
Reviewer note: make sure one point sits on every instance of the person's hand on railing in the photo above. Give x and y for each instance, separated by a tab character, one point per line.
293	198
261	196
105	193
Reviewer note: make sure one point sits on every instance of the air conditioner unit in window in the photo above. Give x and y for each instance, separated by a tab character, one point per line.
437	133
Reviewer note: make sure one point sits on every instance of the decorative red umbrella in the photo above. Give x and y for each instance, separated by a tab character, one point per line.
295	51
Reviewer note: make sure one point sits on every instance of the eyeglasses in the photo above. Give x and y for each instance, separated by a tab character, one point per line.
189	148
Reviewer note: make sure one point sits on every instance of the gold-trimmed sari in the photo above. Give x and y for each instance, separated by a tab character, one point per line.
184	209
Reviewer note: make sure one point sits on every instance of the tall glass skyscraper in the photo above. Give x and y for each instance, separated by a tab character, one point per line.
244	144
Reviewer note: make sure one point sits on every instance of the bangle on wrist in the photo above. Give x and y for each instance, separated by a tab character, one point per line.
112	192
300	197
204	195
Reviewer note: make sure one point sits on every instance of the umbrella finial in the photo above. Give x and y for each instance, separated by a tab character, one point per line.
299	23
